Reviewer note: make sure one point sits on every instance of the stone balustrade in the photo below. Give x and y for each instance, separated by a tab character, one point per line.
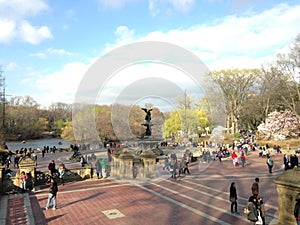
288	187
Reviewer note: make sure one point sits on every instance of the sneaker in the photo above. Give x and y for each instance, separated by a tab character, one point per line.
237	213
54	208
46	208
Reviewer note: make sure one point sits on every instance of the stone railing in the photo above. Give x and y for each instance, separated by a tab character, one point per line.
288	188
13	184
127	165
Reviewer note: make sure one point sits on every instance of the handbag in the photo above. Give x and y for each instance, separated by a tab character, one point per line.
232	199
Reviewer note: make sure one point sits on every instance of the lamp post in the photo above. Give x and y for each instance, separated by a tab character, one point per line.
2	101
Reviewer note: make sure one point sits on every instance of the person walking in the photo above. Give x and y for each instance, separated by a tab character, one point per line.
52	193
166	160
233	198
186	165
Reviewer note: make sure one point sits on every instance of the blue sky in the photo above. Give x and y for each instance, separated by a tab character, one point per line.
47	46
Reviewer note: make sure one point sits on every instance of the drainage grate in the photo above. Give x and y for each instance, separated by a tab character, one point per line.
113	213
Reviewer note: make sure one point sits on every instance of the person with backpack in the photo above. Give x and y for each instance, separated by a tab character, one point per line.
52	193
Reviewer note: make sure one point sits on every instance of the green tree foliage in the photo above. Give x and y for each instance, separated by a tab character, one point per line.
67	131
172	126
57	114
186	121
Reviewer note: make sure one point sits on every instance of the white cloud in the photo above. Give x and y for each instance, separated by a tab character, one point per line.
40	55
123	35
52	51
245	41
11	66
18	9
13	23
253	36
7	28
166	6
115	3
33	35
61	85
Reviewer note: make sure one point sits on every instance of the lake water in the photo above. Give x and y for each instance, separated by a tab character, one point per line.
40	143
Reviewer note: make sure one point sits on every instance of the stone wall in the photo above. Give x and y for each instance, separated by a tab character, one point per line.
288	187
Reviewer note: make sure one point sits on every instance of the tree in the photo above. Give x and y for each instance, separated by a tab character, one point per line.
280	124
57	114
289	66
24	119
172	126
236	86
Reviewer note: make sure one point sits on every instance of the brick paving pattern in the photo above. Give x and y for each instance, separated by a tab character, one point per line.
199	198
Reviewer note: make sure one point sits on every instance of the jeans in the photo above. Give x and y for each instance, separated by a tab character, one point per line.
298	222
51	197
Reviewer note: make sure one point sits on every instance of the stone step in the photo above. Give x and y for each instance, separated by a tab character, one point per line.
16	209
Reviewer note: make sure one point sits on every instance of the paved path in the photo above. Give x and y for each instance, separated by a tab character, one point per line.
199	198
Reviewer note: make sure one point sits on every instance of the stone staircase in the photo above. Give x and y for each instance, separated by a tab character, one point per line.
16	209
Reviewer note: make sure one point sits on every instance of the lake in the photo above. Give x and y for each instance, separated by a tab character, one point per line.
39	143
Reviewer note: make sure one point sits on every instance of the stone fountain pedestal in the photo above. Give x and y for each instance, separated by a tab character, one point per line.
127	164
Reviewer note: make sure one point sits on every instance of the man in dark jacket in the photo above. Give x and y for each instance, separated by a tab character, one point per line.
52	193
51	167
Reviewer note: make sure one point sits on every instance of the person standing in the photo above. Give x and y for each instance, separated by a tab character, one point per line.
23	179
52	193
166	160
253	212
297	210
61	172
233	198
51	167
270	163
220	155
255	187
98	168
243	159
286	162
235	159
103	168
173	166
